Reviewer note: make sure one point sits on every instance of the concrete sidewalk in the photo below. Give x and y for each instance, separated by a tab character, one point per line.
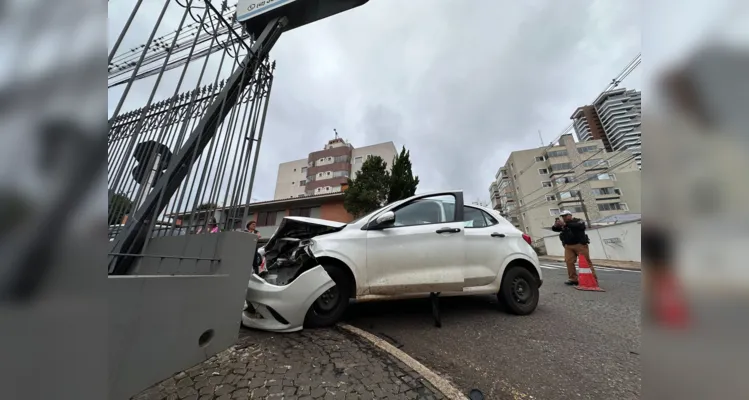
633	265
312	364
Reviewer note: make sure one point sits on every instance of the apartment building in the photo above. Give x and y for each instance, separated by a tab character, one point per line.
615	118
327	171
535	185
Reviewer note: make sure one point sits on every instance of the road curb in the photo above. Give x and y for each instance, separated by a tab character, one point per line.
440	383
597	263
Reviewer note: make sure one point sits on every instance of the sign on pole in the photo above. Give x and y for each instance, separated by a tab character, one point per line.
248	9
256	14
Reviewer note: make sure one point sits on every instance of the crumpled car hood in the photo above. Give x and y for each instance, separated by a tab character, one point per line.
300	228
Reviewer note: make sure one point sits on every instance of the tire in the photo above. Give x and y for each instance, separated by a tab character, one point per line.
518	292
326	310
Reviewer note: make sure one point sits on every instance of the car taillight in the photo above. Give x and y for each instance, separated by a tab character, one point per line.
527	239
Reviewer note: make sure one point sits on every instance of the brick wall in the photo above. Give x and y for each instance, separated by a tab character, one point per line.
334	211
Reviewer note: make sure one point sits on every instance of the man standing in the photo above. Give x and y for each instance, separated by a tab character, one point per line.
575	241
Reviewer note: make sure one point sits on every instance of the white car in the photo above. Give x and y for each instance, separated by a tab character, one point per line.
429	243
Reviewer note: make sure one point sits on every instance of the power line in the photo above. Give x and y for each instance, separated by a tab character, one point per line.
634	63
538	201
542	199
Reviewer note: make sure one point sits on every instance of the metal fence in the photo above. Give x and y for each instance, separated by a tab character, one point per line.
182	162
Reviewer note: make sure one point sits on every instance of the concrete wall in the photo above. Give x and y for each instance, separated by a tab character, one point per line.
176	313
620	242
385	150
290	174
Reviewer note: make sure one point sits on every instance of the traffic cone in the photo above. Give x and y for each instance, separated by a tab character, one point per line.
671	309
585	278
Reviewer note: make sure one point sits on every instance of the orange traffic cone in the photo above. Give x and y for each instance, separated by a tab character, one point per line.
586	280
671	309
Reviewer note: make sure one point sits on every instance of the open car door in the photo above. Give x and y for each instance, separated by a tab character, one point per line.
417	246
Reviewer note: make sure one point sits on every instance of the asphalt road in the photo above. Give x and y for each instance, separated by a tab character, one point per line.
577	345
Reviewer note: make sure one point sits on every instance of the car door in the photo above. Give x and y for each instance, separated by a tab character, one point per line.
422	250
485	247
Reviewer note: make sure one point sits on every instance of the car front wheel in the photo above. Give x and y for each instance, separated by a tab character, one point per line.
330	306
519	291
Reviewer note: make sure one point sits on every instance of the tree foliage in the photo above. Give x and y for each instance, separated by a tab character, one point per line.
206	206
369	189
119	206
402	183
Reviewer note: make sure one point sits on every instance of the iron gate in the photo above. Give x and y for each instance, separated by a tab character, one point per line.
217	131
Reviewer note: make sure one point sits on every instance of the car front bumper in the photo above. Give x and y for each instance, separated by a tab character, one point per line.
283	308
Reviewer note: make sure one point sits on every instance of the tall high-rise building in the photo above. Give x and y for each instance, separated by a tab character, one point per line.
535	185
615	118
326	171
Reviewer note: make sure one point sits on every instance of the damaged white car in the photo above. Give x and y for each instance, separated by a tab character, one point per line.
430	243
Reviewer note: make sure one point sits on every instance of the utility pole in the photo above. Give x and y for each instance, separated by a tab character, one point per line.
541	138
585	209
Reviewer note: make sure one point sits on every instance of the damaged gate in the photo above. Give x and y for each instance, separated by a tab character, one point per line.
181	165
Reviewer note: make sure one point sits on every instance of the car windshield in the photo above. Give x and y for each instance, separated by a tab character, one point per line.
370	215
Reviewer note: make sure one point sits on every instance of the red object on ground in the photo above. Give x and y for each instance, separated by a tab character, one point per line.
585	278
670	305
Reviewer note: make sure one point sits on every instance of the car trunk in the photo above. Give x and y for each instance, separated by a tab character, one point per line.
287	254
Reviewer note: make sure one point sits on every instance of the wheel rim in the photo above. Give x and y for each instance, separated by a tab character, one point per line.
521	291
327	301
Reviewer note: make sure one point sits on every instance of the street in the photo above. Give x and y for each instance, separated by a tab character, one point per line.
576	345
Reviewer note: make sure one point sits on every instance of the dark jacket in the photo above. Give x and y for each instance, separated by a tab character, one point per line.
573	232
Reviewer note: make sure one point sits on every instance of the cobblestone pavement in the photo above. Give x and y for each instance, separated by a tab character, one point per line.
312	364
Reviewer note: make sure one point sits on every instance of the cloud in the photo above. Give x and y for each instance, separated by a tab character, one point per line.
461	84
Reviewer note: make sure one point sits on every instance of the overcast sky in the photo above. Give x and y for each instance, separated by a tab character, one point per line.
460	83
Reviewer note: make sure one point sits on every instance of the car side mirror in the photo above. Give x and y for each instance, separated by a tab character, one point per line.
385	219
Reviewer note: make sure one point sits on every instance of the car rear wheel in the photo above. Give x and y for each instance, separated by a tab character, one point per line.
330	306
519	291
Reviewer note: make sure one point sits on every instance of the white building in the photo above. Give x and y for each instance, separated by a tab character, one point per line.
327	170
615	118
535	185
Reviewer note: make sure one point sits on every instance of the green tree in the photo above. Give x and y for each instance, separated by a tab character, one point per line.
368	191
119	206
206	206
402	182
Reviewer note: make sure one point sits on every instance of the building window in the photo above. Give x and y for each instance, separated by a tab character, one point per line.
515	177
618	191
266	218
543	171
540	159
521	202
512	166
318	190
550	197
560	166
300	212
294	169
554	211
328	173
556	153
304	170
564	179
357	160
302	183
602	191
595	163
567	195
546	184
612	207
586	149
